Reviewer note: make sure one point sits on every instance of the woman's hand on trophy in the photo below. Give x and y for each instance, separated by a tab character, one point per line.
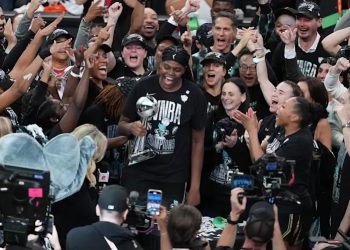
137	129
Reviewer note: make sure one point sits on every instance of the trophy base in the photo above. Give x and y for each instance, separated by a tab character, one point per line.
141	156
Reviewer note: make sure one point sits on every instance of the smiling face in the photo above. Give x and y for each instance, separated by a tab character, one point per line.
170	75
282	22
231	96
282	92
307	28
99	67
323	71
133	55
223	34
214	74
150	23
247	70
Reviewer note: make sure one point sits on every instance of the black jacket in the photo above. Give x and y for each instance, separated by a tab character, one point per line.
91	237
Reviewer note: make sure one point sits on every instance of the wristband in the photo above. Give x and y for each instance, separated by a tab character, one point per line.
74	75
231	222
44	53
256	60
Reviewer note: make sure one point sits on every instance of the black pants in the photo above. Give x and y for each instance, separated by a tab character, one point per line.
135	180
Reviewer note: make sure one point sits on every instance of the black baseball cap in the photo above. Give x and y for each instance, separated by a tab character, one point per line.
260	222
204	34
134	38
58	33
214	56
177	54
309	9
286	11
113	198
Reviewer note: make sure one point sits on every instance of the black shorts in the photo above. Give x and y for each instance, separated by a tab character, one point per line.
294	227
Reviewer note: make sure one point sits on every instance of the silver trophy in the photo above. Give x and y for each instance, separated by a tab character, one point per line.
147	107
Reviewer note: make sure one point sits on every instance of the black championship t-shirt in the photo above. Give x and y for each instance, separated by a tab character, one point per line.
170	129
297	147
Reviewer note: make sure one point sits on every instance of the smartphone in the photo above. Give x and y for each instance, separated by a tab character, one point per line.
154	199
102	3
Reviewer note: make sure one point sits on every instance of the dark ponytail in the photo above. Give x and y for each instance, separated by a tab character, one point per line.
309	112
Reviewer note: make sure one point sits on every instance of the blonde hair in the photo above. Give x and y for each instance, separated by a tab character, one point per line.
5	126
101	143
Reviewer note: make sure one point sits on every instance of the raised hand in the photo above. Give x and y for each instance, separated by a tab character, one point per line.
179	16
114	11
33	6
231	140
288	36
103	35
191	6
79	55
51	27
37	24
186	39
342	65
94	11
237	207
9	34
60	47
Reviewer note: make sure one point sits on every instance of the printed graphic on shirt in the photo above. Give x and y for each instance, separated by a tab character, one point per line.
308	68
221	172
273	146
164	126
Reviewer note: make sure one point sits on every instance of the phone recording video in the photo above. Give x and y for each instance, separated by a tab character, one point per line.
154	200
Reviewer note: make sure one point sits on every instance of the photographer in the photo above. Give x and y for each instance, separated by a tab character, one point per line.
225	151
292	135
262	225
112	209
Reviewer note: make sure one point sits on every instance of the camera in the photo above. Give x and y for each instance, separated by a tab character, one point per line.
270	176
224	127
344	52
24	195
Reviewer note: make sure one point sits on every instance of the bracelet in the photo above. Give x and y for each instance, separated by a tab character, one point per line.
231	222
256	60
74	75
346	125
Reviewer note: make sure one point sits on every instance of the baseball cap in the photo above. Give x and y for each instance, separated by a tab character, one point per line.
309	9
177	54
204	34
113	198
58	33
214	56
133	38
105	47
260	223
285	11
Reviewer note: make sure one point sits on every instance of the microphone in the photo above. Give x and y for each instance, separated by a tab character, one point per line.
133	197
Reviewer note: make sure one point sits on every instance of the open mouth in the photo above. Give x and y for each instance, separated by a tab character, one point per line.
133	59
211	76
149	28
103	69
2	28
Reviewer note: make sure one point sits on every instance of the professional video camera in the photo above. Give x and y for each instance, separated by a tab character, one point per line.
224	127
24	195
269	176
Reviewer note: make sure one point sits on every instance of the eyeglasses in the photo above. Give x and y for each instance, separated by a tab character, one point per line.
246	67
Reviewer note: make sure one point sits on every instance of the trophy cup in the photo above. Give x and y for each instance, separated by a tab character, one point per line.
146	108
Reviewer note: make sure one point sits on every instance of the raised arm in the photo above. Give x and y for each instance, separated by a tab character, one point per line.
331	42
228	235
70	119
261	70
30	52
137	15
332	83
292	69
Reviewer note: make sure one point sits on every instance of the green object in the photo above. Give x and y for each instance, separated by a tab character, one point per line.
219	222
331	20
193	23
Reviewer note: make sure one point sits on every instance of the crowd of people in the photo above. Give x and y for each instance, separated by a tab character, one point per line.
181	106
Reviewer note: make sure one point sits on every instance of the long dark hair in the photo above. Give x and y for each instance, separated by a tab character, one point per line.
308	112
